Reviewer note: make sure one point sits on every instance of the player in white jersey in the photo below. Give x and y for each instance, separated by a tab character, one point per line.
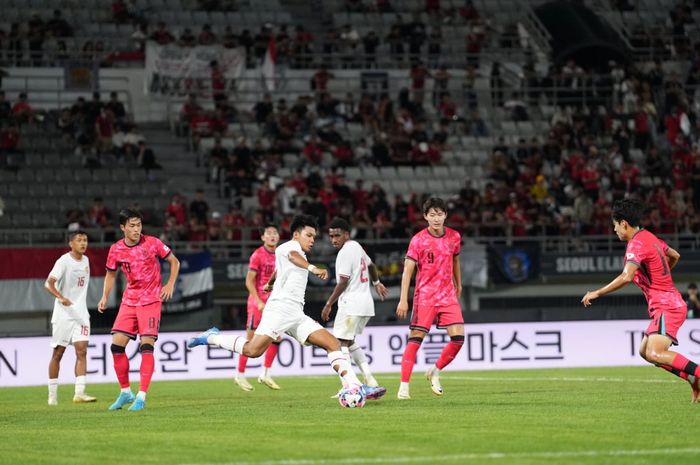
284	310
353	270
70	321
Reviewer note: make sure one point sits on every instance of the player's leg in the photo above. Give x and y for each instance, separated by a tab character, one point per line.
80	396
270	356
148	318
451	319
124	329
346	327
240	378
421	320
54	366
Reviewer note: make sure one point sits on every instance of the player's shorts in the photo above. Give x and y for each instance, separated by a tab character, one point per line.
254	316
144	320
67	332
346	326
667	322
423	317
282	317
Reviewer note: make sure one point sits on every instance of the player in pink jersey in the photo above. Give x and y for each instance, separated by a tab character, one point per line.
434	251
648	263
260	269
139	313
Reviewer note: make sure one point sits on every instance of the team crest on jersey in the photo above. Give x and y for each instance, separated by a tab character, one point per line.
630	256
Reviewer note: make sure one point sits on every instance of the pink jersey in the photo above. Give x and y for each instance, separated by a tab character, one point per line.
433	256
263	263
140	265
653	276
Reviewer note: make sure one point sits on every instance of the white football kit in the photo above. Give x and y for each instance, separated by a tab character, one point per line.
355	304
72	323
284	310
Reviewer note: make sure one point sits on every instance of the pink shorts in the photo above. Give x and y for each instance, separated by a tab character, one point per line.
254	316
138	320
423	317
667	322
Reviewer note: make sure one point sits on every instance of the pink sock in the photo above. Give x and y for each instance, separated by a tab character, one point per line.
146	369
409	358
270	354
681	363
679	373
242	363
449	352
121	368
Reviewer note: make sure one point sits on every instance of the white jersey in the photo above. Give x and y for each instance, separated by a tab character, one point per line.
290	283
353	262
72	280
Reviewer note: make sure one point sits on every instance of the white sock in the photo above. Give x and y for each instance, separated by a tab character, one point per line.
691	379
341	365
80	385
358	356
436	370
230	343
126	390
266	372
53	388
403	385
141	395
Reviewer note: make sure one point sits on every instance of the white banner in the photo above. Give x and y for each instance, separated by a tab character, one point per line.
24	361
175	70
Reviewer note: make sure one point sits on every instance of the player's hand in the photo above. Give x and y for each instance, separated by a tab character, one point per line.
326	312
589	297
459	292
260	304
402	309
166	293
65	302
102	305
382	291
321	273
267	287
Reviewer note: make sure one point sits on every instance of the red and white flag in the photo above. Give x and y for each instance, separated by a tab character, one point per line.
268	65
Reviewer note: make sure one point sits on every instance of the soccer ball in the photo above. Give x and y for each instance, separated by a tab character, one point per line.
352	397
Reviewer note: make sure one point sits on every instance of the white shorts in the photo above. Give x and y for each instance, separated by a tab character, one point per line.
286	317
346	326
67	332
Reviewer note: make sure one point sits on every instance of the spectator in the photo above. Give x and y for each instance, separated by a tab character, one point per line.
176	209
199	208
98	214
116	108
187	38
104	128
692	300
370	42
22	110
162	35
5	108
146	159
206	37
58	26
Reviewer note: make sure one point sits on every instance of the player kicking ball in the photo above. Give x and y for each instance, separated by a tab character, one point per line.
434	251
70	321
648	263
284	310
353	270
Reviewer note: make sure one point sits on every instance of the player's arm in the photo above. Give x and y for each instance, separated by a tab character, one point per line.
271	282
296	258
672	256
166	293
382	291
50	286
335	295
110	277
252	290
408	267
619	282
457	275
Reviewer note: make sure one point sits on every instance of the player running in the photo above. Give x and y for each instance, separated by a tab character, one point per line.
139	313
260	269
284	310
70	322
648	262
435	252
353	271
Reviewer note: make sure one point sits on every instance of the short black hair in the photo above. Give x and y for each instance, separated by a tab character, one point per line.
127	213
299	222
77	232
630	210
692	286
269	225
434	202
339	223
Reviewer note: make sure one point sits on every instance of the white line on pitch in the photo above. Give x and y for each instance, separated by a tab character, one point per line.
472	457
444	376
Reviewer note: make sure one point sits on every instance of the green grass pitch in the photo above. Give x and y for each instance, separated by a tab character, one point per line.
560	416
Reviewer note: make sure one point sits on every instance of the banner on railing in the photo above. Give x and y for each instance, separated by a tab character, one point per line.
23	361
605	263
175	70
